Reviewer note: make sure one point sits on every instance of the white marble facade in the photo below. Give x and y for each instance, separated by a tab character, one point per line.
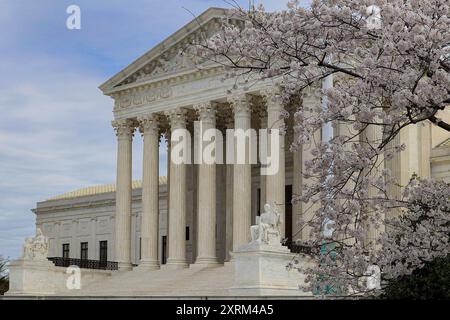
69	219
88	215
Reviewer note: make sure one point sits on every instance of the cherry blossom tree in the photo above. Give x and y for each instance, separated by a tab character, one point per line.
390	63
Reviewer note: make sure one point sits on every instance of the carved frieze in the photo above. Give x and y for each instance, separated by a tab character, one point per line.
143	97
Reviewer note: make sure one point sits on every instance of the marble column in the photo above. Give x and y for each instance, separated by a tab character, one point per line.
275	183
206	239
124	130
229	124
177	196
296	192
297	182
373	135
241	176
167	222
394	164
425	146
262	178
150	193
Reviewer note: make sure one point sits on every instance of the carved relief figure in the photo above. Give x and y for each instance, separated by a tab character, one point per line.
36	248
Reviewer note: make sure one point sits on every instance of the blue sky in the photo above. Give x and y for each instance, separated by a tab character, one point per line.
55	124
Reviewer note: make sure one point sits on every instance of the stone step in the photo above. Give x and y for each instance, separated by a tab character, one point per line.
193	281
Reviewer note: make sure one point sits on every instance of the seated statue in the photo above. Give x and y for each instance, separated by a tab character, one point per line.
36	248
267	228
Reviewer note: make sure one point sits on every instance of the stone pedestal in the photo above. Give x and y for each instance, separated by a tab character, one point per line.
32	277
43	278
260	270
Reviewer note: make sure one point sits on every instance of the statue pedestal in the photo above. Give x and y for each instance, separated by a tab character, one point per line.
260	269
32	277
33	274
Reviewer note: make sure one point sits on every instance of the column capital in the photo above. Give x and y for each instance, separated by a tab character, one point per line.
272	97
206	111
177	118
148	123
167	138
225	119
124	128
240	103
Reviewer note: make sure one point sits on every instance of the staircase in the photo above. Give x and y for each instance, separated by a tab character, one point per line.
193	281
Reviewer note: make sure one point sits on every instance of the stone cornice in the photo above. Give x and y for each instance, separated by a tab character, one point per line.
143	93
85	205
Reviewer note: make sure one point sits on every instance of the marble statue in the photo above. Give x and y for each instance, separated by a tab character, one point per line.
36	248
267	228
373	274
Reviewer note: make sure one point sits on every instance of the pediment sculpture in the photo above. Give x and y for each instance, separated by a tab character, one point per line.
179	62
36	248
267	228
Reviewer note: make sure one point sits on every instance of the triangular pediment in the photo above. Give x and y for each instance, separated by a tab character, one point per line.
168	58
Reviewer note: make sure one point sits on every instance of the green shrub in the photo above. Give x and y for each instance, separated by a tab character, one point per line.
430	282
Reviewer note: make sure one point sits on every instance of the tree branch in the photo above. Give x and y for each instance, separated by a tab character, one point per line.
440	123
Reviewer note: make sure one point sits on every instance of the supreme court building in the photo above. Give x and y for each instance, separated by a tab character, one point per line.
194	215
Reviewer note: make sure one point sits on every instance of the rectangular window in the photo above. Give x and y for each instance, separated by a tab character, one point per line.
187	233
258	202
103	251
84	251
288	215
164	250
66	251
140	248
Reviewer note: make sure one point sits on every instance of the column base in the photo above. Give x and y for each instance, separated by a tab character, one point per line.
204	262
125	266
176	264
229	263
147	265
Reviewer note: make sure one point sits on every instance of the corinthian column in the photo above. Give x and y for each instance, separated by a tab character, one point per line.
150	193
206	239
177	194
275	183
297	182
241	176
124	131
372	136
229	124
